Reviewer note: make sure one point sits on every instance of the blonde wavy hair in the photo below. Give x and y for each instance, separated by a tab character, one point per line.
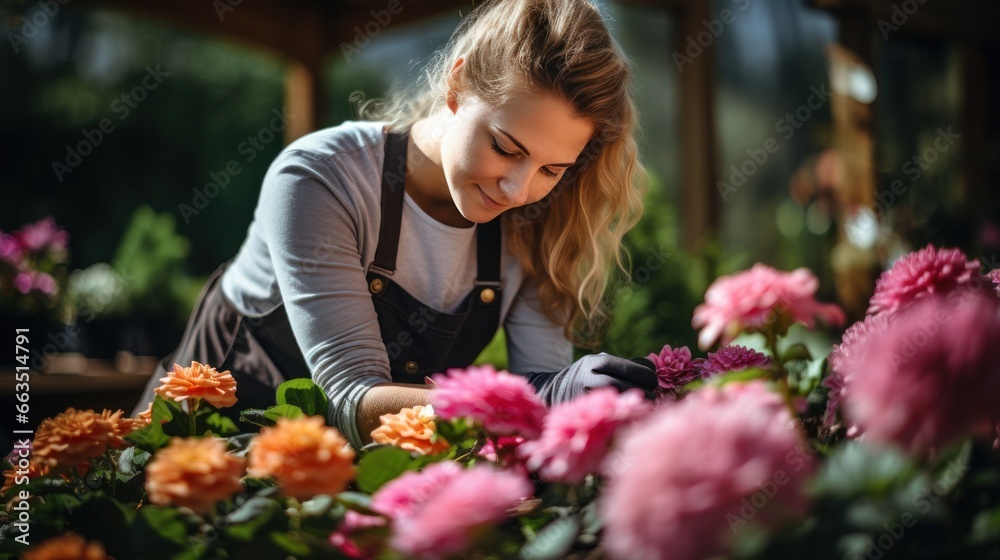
570	242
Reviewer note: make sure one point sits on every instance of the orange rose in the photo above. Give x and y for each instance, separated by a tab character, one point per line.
195	473
67	546
199	382
73	437
411	430
305	456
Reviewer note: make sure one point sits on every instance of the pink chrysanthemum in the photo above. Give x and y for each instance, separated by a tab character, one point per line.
577	434
921	273
734	458
754	299
675	368
733	358
504	403
439	512
847	357
935	376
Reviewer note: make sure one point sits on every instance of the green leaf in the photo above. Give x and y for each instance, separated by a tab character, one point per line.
254	508
160	528
855	468
149	438
304	394
748	374
288	543
177	422
381	466
317	505
553	541
797	351
255	416
283	411
221	425
132	460
356	500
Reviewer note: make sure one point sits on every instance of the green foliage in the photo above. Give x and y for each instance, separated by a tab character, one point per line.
150	260
305	395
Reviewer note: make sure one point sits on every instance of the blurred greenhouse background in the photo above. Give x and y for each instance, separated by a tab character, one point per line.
156	185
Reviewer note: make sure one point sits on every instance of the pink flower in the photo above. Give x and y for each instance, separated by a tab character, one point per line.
45	283
24	282
355	522
504	448
404	495
11	250
504	403
675	368
847	357
922	273
577	434
449	507
994	276
733	358
683	481
754	299
42	235
934	378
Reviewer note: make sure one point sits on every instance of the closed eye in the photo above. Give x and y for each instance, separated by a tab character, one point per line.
496	148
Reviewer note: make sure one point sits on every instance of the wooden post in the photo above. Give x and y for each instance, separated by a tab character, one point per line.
304	98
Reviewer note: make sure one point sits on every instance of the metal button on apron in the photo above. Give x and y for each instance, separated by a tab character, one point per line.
411	367
487	295
376	286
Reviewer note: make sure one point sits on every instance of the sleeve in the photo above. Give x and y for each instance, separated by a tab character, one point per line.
534	342
312	228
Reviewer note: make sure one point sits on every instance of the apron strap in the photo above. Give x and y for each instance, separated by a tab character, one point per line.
393	181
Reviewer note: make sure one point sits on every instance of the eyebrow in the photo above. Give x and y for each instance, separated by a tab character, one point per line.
525	150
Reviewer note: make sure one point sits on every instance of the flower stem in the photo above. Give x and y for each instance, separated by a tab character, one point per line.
192	409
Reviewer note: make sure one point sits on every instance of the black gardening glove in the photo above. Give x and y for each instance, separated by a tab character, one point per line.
593	372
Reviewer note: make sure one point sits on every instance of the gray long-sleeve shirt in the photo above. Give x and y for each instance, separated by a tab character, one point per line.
314	233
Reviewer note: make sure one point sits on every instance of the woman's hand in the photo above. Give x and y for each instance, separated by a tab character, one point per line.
592	372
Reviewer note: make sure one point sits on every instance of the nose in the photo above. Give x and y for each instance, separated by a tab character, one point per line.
515	185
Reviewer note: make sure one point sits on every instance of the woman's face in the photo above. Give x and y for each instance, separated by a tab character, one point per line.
498	158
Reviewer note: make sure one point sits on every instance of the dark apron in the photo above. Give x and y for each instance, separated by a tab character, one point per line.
261	351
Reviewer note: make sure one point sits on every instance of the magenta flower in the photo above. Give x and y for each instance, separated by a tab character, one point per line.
504	448
934	378
994	276
353	523
733	358
45	283
439	512
921	273
675	368
504	403
42	235
11	250
577	434
691	475
755	299
24	282
847	357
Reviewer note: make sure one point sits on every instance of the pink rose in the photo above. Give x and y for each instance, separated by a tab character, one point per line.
504	403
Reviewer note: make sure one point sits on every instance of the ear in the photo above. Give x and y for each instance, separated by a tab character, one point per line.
454	84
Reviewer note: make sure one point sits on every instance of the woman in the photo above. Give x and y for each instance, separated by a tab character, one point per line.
381	252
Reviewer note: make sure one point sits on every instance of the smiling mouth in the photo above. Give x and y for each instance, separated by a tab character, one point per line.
489	201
